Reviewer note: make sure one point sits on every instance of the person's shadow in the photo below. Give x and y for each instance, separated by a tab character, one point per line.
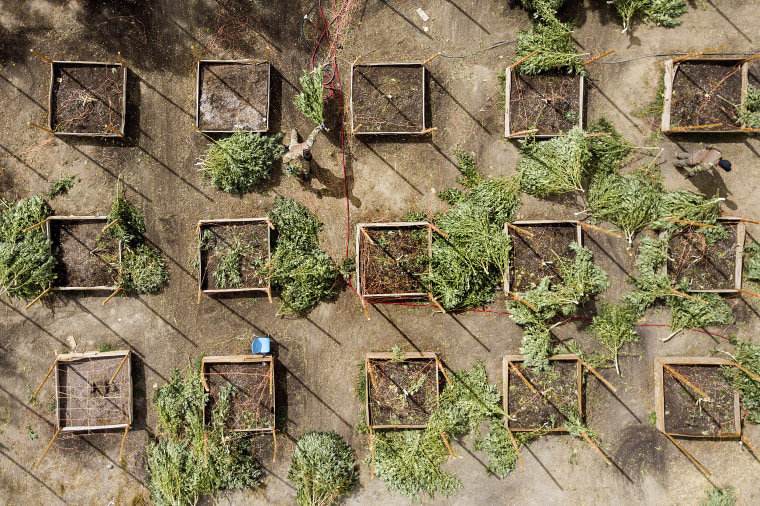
334	187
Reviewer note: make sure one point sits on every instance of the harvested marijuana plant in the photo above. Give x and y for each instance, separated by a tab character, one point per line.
613	328
748	356
556	166
653	12
143	270
311	100
688	312
323	468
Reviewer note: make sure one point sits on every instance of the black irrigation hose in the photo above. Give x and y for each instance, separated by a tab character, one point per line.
672	54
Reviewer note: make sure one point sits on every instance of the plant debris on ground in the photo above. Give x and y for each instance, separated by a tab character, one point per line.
61	186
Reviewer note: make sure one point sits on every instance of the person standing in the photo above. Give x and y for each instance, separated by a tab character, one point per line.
703	159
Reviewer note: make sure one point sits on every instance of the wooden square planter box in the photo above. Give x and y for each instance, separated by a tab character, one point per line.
679	411
93	391
83	264
252	408
232	95
533	258
551	102
716	268
388	98
529	411
386	267
401	394
704	91
87	99
216	237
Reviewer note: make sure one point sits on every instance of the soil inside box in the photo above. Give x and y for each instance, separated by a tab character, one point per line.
83	260
534	258
250	240
708	267
87	97
531	410
388	98
705	93
402	392
395	261
251	406
233	96
86	395
549	102
686	414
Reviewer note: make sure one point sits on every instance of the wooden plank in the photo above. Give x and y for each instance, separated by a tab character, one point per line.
669	76
507	94
695	461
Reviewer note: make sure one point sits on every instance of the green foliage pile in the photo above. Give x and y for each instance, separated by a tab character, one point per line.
323	469
653	12
751	263
613	328
468	265
709	309
556	166
608	152
311	100
748	356
299	268
129	221
580	280
533	5
143	269
61	186
629	201
687	206
553	40
26	260
188	458
720	497
240	162
750	113
652	283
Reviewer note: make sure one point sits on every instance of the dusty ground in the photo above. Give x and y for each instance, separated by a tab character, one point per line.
316	353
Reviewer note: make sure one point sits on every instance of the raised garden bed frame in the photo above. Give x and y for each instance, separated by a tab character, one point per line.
198	90
507	109
533	223
671	67
57	64
203	274
125	364
659	394
423	70
739	259
389	226
389	356
514	359
48	231
242	359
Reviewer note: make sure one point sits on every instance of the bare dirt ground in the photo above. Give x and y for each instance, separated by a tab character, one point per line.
317	353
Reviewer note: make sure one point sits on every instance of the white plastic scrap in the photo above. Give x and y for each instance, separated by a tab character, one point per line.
422	14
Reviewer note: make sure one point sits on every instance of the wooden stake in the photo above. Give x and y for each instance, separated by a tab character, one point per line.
269	223
121	60
123	439
27	229
750	221
443	436
749	59
746	292
42	56
521	230
589	441
356	61
200	292
518	62
366	235
703	468
694	223
118	289
523	132
514	368
681	294
432	299
514	443
35	125
114	222
353	132
599	229
196	56
205	456
520	299
364	306
692	55
45	379
592	60
123	360
38	298
269	294
682	378
372	450
748	372
436	229
427	131
109	127
600	134
48	448
440	366
436	55
592	371
747	442
274	437
694	127
267	53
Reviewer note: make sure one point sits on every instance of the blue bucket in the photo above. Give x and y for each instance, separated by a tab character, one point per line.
260	346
